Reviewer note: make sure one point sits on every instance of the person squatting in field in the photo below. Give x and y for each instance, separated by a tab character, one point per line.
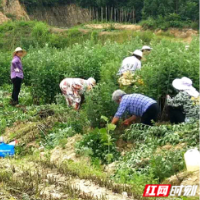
17	74
185	104
137	105
74	88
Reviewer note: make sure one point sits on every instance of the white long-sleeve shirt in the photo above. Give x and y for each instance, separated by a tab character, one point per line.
129	64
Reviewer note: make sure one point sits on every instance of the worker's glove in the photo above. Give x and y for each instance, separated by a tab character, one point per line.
16	70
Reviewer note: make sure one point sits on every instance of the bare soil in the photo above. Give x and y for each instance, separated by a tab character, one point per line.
116	26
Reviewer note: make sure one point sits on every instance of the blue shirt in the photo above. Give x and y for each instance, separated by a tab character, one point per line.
134	104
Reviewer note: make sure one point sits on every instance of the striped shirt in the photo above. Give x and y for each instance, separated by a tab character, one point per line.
134	104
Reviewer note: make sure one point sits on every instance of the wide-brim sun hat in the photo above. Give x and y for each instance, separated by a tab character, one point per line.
185	84
18	49
92	81
146	48
138	53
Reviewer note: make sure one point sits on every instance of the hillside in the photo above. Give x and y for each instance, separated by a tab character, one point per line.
179	14
32	33
12	9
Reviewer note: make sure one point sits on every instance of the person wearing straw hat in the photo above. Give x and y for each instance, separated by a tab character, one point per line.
17	74
183	106
73	90
131	63
146	49
128	67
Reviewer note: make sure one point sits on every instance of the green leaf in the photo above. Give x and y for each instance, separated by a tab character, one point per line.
104	118
111	127
103	131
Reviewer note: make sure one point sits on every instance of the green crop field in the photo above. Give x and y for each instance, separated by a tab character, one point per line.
43	120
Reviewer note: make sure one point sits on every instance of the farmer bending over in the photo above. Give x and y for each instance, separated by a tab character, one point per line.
136	105
74	88
17	74
131	63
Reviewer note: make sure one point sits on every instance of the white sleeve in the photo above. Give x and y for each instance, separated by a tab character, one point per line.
138	65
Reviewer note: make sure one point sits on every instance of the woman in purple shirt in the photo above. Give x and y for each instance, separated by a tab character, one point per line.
17	74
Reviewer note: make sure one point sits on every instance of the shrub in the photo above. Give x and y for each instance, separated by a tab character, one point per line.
174	61
15	34
164	23
165	134
99	144
167	164
195	25
58	136
149	23
146	36
37	34
43	74
99	102
44	68
5	63
144	161
40	32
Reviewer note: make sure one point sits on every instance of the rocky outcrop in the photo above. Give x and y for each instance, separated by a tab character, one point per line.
3	18
14	9
61	16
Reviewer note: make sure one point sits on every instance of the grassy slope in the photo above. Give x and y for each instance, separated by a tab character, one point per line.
32	33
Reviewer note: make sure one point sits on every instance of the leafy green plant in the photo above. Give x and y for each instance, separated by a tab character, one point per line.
3	125
165	134
167	164
99	144
144	161
40	32
58	137
99	103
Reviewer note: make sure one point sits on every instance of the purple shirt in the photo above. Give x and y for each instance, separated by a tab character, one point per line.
134	104
16	64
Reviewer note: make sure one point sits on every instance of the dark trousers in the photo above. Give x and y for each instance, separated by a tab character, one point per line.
176	114
17	82
150	115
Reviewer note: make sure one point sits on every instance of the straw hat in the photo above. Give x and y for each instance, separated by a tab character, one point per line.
19	49
138	53
185	84
146	48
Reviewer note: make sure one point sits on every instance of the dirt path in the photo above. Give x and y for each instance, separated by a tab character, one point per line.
49	183
117	26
